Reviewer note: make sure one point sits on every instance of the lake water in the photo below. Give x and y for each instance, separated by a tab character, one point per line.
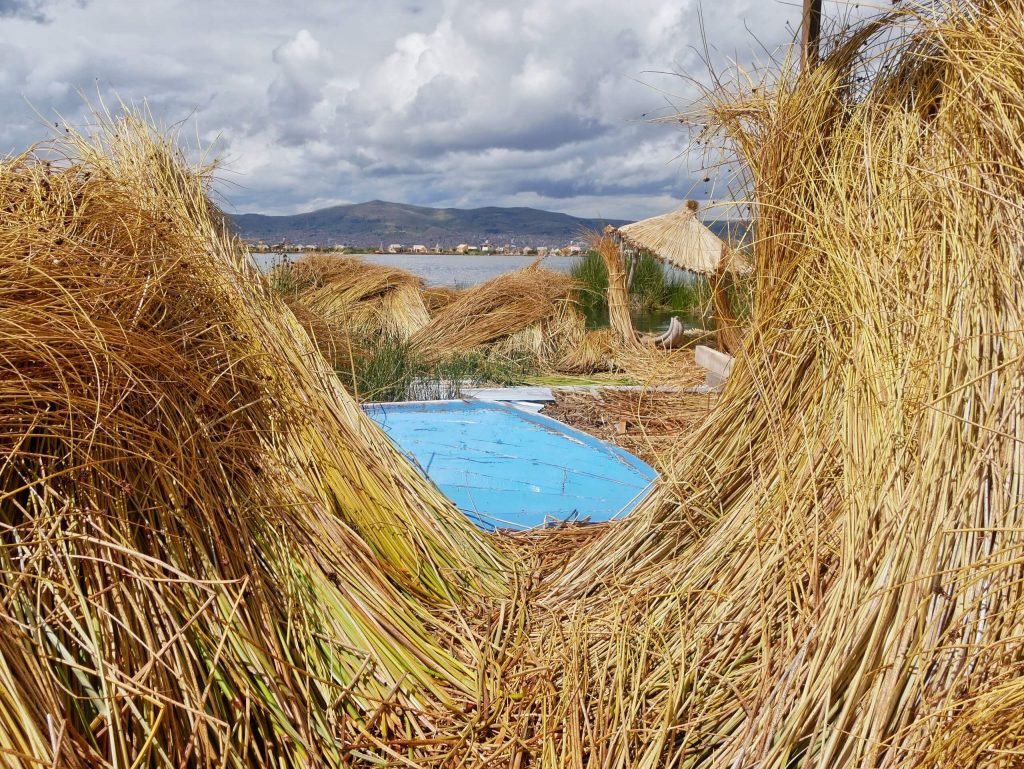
464	270
458	270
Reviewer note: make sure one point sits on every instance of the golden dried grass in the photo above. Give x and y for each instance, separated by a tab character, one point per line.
619	316
833	576
436	298
595	352
499	309
356	296
651	422
546	340
208	554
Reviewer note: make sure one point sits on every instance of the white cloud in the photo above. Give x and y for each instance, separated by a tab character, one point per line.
436	102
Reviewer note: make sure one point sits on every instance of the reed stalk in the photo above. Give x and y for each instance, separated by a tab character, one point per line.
832	575
208	555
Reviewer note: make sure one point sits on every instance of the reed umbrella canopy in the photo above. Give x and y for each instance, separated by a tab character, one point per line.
680	239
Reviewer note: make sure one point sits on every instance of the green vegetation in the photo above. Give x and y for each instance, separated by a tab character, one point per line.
658	287
654	288
388	368
282	279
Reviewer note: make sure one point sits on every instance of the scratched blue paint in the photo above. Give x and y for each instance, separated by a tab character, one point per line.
506	468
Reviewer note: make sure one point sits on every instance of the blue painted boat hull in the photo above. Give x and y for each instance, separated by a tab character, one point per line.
506	468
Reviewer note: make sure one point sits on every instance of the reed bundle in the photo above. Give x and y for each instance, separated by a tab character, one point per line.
660	368
547	340
648	422
332	339
594	352
436	298
619	316
208	555
502	307
834	574
360	297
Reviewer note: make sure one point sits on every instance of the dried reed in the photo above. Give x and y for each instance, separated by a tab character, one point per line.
833	576
501	308
436	298
619	316
358	297
208	555
595	352
653	423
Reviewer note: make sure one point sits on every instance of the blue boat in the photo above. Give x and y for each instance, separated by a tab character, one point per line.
506	468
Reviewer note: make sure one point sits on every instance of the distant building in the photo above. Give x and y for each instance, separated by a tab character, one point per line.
543	251
529	250
572	250
462	248
396	248
485	249
419	249
472	250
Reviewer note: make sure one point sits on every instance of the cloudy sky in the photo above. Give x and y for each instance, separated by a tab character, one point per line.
464	103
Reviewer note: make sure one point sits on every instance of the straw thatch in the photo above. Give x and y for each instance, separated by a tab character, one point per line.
356	296
833	575
680	239
499	309
208	556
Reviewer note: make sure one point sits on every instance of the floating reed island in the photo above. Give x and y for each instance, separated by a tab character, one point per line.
210	558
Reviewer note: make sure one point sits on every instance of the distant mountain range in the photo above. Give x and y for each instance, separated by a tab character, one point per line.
379	222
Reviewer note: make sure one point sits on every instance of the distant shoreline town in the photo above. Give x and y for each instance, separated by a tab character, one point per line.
380	227
483	249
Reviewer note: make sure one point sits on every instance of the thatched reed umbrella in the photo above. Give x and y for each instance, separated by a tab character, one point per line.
680	239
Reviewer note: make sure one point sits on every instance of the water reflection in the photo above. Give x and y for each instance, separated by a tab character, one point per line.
458	270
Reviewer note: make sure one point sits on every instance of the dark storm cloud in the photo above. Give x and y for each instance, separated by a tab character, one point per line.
548	133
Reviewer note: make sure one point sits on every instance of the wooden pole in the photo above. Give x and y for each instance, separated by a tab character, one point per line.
810	33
